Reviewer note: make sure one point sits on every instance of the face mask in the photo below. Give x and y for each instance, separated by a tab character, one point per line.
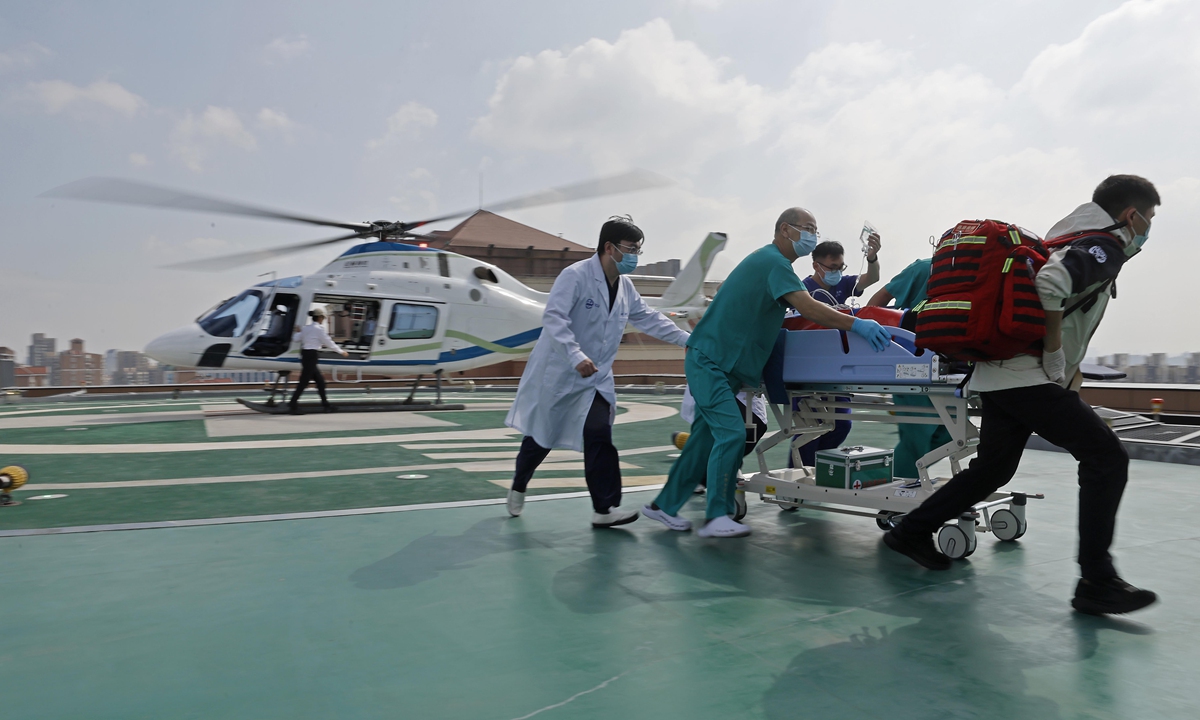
1140	240
627	263
806	244
833	277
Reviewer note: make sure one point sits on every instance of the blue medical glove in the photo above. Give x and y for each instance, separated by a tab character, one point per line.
873	333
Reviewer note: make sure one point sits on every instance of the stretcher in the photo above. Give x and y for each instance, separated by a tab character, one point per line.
826	370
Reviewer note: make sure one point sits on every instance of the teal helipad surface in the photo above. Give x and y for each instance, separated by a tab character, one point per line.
463	612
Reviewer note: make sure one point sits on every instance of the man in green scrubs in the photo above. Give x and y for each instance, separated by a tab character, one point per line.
727	350
908	290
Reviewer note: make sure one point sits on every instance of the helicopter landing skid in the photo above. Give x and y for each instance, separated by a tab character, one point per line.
315	408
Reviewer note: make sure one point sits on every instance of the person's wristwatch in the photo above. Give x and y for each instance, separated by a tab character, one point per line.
871	261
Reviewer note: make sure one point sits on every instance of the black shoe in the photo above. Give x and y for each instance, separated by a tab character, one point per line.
330	408
922	550
293	410
1113	596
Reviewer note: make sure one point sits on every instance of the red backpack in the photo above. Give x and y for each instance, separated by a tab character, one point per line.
982	303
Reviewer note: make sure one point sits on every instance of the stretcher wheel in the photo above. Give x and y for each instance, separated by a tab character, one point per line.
886	519
1007	526
789	508
739	501
953	543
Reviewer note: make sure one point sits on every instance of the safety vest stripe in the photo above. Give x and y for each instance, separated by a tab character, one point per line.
949	305
1007	266
965	240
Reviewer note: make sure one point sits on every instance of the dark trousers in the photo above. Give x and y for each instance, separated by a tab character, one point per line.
309	371
1061	417
601	466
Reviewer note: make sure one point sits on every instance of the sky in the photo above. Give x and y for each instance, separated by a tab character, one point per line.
912	116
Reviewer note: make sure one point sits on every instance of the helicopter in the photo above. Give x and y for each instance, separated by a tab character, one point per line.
397	306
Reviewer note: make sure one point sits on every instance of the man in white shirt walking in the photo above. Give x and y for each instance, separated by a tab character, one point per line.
567	398
1032	393
312	338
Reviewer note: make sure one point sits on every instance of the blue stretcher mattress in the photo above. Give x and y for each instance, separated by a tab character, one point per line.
834	356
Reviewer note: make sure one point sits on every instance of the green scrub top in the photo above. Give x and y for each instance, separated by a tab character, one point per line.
909	286
739	328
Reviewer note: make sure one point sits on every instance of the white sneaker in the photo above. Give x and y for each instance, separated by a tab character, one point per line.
674	522
616	516
516	503
724	527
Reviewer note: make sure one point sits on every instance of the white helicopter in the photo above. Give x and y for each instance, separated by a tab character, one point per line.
398	308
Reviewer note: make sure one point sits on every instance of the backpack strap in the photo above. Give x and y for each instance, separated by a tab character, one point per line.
1087	301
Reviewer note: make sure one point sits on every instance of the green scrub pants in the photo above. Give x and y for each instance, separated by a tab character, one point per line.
713	453
915	440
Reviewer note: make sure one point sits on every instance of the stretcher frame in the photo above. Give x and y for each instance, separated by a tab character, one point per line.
811	412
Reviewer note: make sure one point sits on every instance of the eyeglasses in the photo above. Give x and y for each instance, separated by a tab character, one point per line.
628	251
836	268
810	228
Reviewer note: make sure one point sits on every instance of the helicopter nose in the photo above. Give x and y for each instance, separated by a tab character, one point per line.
181	347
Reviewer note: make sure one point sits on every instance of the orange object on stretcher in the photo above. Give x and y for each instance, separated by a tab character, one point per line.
887	317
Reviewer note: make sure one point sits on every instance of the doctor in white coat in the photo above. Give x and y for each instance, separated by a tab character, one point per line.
567	398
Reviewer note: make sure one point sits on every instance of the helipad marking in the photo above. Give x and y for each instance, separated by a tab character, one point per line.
551	457
460	446
219	426
635	412
293	516
135	448
627	482
265	477
67	421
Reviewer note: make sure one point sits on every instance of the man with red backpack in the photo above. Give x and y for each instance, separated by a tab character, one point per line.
1038	393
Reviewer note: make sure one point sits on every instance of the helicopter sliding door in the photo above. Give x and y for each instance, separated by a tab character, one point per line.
353	322
410	334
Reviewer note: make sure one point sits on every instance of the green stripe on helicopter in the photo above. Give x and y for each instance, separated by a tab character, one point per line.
406	350
486	345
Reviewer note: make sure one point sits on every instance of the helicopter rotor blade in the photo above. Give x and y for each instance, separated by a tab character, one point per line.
129	192
226	262
631	181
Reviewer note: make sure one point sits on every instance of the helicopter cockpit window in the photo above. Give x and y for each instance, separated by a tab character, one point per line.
234	316
412	322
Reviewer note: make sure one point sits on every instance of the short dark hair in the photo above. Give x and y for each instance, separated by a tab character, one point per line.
1118	192
619	229
827	249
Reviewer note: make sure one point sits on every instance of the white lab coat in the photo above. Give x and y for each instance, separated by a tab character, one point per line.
687	409
553	399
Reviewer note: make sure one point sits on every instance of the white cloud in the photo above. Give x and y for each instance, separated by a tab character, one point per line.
1127	66
23	56
406	122
647	95
56	96
284	49
269	119
416	194
866	131
139	160
194	136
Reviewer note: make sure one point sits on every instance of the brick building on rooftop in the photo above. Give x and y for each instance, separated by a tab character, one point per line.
519	250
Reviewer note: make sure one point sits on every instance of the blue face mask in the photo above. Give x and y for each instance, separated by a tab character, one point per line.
833	277
806	244
1140	240
627	263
